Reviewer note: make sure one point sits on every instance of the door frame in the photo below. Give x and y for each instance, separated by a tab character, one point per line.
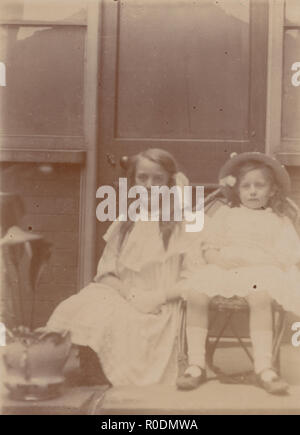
88	180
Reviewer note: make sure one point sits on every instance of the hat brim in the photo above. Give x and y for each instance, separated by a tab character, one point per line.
281	174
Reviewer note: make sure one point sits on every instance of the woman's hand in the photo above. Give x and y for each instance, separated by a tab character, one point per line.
146	301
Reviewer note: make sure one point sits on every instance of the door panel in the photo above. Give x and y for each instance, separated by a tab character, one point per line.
176	78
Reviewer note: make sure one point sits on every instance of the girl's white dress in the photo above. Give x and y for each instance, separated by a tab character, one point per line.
264	249
133	347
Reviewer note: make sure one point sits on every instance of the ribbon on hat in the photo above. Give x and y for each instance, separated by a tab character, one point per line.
229	181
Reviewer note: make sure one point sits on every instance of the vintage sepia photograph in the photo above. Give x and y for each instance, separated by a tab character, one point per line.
150	209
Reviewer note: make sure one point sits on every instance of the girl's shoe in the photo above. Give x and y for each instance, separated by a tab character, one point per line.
190	380
274	385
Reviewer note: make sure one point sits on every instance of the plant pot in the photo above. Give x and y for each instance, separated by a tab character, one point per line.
34	362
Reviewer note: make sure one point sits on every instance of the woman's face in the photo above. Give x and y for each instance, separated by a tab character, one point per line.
148	173
255	189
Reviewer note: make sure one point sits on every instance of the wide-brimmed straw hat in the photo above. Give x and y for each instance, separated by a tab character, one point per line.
227	172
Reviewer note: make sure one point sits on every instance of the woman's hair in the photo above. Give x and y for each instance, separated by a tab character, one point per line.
277	201
168	164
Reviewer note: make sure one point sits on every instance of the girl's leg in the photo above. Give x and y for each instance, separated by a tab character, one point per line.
196	331
261	333
197	325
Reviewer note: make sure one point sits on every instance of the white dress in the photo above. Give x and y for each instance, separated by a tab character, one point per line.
133	347
265	249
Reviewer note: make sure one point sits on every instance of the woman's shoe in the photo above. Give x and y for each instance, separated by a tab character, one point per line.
190	380
91	372
274	385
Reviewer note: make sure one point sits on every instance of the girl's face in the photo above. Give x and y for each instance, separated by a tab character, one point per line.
255	189
148	173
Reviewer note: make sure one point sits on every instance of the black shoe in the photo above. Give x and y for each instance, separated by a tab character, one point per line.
91	372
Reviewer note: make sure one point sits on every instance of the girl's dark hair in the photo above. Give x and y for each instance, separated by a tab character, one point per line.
278	202
168	163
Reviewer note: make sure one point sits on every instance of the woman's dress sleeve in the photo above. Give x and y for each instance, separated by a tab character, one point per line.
108	261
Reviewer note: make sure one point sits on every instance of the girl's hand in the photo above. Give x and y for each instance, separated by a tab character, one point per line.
214	256
146	302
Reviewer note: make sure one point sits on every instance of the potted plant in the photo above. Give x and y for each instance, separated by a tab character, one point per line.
33	358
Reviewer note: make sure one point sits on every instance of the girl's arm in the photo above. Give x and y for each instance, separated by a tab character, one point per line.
287	245
214	256
192	262
224	258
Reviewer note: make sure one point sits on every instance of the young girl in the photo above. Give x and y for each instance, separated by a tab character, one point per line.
251	250
129	315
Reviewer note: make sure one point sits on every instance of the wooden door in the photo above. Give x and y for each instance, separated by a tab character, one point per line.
188	76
